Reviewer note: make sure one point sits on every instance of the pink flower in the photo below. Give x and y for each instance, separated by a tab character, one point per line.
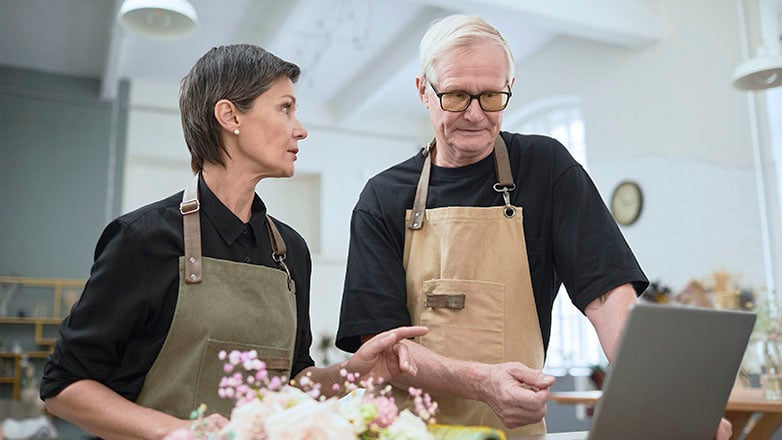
387	411
275	383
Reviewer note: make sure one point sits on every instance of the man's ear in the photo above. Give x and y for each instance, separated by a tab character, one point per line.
226	114
420	84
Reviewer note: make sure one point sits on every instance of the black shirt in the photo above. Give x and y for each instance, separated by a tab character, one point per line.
117	328
571	236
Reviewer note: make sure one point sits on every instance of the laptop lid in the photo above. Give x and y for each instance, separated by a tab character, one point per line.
673	373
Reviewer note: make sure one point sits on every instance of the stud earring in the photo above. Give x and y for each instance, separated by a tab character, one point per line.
236	131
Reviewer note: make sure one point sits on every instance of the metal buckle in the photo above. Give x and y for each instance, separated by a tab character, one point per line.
189	206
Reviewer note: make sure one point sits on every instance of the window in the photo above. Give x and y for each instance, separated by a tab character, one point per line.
573	342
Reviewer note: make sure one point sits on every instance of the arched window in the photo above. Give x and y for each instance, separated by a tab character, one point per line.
573	342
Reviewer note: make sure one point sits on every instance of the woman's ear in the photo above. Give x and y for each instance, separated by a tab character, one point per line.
226	114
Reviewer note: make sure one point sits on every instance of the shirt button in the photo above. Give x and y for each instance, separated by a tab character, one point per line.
247	259
244	231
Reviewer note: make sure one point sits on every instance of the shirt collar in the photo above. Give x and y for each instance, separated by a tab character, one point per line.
227	224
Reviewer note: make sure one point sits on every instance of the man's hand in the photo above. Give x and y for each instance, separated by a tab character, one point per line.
383	356
517	393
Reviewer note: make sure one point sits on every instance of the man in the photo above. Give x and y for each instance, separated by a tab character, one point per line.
472	238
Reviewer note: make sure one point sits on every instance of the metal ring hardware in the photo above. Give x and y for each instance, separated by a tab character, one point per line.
280	260
509	210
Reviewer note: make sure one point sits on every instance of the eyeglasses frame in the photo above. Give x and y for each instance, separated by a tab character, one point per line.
469	102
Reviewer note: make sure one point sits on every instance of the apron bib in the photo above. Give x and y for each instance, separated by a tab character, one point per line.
468	281
222	305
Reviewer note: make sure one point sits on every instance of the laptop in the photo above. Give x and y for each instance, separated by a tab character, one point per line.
673	373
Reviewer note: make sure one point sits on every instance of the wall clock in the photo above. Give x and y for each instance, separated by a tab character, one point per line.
626	203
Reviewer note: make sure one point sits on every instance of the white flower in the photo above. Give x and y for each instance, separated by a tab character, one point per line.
350	407
248	420
286	397
309	420
407	427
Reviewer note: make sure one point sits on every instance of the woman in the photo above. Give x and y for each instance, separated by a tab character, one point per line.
175	282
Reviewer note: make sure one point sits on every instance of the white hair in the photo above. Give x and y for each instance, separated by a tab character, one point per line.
458	32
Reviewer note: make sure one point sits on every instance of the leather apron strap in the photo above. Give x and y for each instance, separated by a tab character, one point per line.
191	221
504	181
192	235
235	306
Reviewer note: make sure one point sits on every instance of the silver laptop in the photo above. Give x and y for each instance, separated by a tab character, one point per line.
673	373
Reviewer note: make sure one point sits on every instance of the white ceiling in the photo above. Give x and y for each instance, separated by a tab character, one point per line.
359	57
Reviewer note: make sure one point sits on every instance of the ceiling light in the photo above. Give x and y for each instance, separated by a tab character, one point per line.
158	18
759	73
764	69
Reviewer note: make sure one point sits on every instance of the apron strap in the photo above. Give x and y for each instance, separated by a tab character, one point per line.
192	236
504	183
419	204
192	232
502	164
279	250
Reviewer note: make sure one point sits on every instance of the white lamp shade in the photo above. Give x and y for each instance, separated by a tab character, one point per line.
759	73
159	18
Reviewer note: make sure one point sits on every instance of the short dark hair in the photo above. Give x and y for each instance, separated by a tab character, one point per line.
239	73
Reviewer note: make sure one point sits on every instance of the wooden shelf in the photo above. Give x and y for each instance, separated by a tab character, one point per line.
29	320
43	346
30	354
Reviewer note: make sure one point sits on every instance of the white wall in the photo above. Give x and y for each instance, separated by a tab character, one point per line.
667	117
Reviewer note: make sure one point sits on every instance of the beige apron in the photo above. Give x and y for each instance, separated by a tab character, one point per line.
468	281
222	305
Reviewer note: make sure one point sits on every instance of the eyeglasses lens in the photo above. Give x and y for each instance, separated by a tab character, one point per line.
489	101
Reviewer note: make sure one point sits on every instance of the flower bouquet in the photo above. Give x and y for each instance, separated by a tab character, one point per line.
271	408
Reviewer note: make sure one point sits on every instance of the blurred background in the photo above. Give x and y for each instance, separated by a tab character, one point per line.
639	90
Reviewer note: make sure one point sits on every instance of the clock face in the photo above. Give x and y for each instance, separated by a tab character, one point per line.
626	203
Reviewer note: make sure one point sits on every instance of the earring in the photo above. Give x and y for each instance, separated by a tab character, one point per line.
236	131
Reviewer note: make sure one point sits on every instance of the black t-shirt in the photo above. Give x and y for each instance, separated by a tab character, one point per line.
117	328
571	236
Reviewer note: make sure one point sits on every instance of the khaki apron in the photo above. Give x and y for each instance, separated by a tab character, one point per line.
468	281
222	305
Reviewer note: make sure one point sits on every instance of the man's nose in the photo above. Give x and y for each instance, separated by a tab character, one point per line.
474	111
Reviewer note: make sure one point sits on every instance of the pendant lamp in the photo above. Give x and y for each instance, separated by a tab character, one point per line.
764	69
166	19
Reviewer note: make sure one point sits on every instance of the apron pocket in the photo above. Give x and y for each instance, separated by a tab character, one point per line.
210	372
478	322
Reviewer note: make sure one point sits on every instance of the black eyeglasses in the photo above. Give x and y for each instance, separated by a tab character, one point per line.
459	101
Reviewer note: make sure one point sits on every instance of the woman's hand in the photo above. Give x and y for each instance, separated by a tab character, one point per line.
384	355
211	424
725	430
